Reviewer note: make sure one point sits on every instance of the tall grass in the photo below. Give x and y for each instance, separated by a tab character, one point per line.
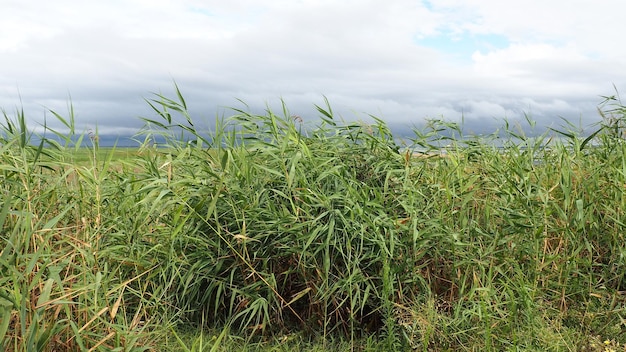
60	287
272	225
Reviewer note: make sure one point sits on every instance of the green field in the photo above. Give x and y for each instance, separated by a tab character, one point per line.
85	155
270	234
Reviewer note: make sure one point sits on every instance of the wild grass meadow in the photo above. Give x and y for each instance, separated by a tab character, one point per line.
274	233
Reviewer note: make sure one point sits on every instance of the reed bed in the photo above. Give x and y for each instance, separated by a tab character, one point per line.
272	231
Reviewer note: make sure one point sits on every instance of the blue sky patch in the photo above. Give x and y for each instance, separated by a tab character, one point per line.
201	11
460	47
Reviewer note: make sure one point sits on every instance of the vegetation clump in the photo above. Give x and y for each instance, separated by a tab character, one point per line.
273	231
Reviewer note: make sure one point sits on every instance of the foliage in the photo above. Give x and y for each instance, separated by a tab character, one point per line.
273	228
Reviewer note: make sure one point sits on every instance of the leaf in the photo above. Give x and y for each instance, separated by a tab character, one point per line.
44	297
180	96
52	222
5	313
299	295
116	305
588	139
100	312
5	209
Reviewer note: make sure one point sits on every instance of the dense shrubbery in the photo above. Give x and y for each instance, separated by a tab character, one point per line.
271	225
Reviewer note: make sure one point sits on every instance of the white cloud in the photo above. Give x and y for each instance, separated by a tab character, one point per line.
552	58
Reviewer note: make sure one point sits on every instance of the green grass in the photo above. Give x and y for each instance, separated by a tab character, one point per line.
270	233
86	156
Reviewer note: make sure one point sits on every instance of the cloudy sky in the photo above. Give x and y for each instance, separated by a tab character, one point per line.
401	60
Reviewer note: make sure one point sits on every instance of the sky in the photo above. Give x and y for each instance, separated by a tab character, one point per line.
404	61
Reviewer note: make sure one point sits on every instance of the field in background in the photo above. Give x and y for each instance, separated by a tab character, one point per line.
272	234
86	155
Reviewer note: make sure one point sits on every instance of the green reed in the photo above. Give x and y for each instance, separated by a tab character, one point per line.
323	231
